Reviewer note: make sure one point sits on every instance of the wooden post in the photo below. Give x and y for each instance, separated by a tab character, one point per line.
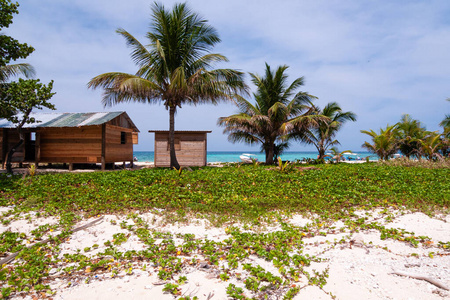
37	144
4	147
205	155
103	146
123	165
70	166
155	152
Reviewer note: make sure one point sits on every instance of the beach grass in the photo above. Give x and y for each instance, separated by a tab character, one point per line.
244	192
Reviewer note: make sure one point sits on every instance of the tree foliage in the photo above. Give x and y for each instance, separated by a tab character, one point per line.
338	155
175	68
10	48
446	122
278	111
410	138
323	135
409	134
23	96
384	144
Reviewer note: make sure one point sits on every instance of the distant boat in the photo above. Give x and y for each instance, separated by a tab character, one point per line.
248	158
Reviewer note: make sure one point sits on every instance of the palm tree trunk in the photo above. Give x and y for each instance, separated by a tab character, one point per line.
269	154
321	153
173	157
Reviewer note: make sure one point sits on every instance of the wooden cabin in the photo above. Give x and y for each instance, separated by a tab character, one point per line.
190	148
105	137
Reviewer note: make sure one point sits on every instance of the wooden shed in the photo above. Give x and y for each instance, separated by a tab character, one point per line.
190	148
105	137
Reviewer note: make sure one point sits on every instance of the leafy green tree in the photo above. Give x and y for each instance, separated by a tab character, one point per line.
24	96
10	49
175	68
409	134
323	135
6	108
278	111
384	144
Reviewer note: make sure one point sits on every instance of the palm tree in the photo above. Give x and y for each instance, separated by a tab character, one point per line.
278	111
384	143
8	71
335	154
409	133
446	122
175	67
431	144
322	136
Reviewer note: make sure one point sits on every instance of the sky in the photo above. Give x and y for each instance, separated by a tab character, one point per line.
379	59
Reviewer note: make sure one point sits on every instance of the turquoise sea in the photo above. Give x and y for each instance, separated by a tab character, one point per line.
228	156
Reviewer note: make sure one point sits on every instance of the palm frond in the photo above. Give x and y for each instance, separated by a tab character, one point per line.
8	71
140	55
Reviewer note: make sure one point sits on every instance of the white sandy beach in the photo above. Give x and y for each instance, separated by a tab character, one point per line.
360	267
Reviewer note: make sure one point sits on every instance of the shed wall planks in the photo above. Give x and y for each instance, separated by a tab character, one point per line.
191	150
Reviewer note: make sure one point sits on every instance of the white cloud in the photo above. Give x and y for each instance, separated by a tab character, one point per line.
378	59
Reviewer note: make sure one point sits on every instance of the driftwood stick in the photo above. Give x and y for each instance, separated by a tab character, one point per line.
422	277
11	257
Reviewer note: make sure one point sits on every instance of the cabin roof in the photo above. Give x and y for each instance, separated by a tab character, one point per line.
181	131
70	119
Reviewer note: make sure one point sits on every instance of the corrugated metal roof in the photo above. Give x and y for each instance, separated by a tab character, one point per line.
182	131
67	119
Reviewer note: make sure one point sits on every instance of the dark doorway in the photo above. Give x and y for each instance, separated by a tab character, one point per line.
30	146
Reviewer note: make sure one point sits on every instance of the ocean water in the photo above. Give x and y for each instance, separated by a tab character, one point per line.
228	156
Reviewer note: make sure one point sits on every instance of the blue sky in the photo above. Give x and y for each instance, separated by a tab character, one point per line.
379	59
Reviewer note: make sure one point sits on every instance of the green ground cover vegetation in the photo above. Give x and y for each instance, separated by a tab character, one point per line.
254	194
247	192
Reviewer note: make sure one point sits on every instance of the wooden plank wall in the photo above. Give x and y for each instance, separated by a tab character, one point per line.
135	138
71	145
192	151
116	151
9	138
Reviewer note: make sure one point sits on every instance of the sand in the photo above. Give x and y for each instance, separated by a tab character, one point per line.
359	268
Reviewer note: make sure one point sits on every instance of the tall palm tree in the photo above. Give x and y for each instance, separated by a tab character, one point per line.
384	143
409	133
277	112
175	67
323	136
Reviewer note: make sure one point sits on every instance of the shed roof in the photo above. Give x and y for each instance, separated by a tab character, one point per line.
69	119
181	131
